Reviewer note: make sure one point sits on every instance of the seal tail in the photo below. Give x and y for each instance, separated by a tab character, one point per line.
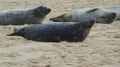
17	32
12	34
58	18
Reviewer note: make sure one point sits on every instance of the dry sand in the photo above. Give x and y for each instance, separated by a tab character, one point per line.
100	49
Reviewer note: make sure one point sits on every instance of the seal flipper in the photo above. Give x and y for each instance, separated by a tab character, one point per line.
12	34
15	29
17	32
92	10
58	18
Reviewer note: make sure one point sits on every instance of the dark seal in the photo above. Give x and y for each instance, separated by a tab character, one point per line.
56	32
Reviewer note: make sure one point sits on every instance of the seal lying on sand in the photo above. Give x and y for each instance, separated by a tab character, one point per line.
56	32
24	16
97	14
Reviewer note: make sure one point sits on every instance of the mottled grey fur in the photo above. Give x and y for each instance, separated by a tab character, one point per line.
23	16
56	32
97	14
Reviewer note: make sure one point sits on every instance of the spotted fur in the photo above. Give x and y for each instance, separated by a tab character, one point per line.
56	32
24	16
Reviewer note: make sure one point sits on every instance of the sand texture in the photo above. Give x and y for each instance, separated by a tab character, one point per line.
100	49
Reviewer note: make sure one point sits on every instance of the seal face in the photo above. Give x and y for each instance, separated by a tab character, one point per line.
24	16
56	32
98	14
116	9
41	11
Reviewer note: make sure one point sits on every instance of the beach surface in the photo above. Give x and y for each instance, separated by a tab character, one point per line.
100	49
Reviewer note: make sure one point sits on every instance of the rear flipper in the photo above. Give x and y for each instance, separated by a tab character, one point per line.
17	32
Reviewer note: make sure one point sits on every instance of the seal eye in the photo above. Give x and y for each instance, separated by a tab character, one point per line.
41	11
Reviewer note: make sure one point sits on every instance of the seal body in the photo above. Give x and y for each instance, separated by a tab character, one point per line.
23	16
56	32
97	14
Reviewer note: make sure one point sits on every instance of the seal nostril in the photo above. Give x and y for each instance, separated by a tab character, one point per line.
49	10
114	14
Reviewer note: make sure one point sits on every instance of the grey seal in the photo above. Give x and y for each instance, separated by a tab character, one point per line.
56	32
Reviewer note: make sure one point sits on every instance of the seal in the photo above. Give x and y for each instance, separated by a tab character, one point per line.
56	32
24	16
97	14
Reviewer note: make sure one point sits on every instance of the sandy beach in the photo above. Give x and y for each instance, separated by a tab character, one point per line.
100	49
